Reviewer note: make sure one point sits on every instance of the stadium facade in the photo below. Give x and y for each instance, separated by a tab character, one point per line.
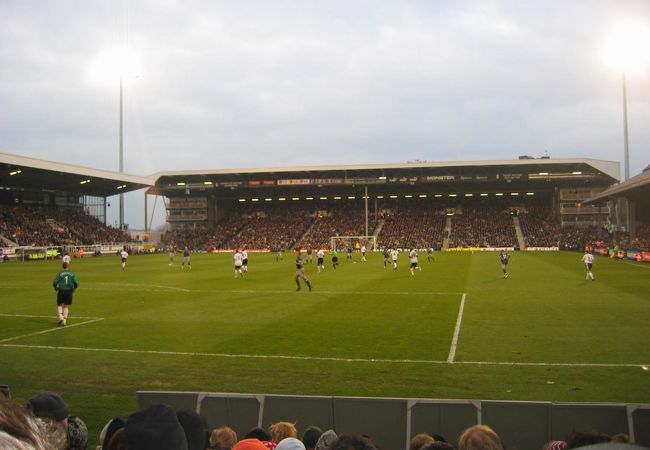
576	189
199	199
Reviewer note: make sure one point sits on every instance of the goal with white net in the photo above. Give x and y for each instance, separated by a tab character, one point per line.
353	242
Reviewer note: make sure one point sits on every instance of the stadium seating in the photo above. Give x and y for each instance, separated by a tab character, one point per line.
30	225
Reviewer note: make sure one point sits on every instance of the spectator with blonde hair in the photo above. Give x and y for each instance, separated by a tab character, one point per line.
479	437
420	440
282	430
223	438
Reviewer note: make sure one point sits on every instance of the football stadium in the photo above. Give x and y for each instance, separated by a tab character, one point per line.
460	296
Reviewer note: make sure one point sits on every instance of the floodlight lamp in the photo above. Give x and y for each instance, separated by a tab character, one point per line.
382	178
627	47
242	200
393	196
255	199
577	172
115	64
15	172
408	196
180	183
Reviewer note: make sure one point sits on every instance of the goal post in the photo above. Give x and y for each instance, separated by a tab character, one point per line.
344	242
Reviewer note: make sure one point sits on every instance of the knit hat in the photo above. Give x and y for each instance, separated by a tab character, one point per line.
77	434
112	427
310	436
155	428
48	405
326	439
290	444
248	444
193	427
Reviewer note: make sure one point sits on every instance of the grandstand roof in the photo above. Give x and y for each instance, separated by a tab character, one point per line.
539	171
30	173
636	188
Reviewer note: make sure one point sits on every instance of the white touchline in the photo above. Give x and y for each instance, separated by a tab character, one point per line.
49	330
454	340
318	358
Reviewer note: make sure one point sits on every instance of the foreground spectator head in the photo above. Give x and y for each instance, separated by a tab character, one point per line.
621	438
350	442
583	438
20	430
310	437
290	444
420	440
77	434
249	444
109	430
118	441
438	445
155	428
555	445
479	437
48	405
258	433
282	430
326	439
193	427
223	438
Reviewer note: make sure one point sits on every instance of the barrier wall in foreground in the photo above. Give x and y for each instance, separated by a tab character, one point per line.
393	421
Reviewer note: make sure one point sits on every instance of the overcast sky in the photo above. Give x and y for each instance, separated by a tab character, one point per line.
275	83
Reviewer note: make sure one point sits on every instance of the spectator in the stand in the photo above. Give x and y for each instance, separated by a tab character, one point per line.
310	437
290	443
555	445
49	405
438	445
258	433
420	440
328	438
18	429
223	438
155	428
282	430
194	428
77	434
579	439
479	437
250	444
350	442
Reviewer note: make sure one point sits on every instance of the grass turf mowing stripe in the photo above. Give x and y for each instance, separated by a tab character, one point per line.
321	358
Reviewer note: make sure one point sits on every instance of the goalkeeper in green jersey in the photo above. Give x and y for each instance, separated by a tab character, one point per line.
65	283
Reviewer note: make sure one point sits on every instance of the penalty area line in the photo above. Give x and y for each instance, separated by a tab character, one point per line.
33	316
454	340
49	330
315	358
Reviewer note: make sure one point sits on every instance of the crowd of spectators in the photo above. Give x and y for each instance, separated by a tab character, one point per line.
273	227
412	225
46	424
52	226
482	226
342	219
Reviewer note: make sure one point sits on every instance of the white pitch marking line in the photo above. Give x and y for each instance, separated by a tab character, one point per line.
318	358
454	341
49	330
43	317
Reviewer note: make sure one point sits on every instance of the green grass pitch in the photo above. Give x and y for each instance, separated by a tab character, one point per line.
545	333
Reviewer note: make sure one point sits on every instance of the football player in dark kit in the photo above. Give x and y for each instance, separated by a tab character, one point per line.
65	283
504	257
300	273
